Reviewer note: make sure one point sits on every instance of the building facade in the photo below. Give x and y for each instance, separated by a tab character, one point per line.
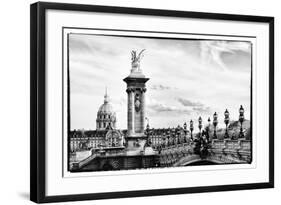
95	139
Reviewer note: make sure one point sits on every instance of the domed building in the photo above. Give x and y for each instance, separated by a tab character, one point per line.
106	116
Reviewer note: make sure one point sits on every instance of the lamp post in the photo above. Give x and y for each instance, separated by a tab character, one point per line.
215	123
168	141
200	125
241	120
147	134
226	121
208	128
185	131
191	128
147	127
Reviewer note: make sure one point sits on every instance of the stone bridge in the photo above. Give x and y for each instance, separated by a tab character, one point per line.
185	154
218	152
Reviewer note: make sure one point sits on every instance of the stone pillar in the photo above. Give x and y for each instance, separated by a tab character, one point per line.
133	111
130	114
136	106
143	110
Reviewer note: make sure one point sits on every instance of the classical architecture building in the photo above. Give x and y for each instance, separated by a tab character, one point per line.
105	134
164	137
106	116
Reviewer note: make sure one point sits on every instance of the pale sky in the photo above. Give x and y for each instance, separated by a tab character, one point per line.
188	78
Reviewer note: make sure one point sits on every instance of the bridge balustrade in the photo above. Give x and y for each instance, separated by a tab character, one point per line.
245	145
232	144
218	144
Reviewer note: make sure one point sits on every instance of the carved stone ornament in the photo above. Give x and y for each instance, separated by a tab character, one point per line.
137	102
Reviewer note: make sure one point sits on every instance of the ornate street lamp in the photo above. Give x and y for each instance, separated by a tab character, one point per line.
168	141
226	121
215	123
241	120
147	132
185	131
209	122
191	128
147	127
184	126
200	125
208	128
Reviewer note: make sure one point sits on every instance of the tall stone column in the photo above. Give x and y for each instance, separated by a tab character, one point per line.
143	110
136	100
130	112
133	111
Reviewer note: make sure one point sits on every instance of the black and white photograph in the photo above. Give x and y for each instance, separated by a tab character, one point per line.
134	102
142	102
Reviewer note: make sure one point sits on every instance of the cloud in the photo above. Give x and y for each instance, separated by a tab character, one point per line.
84	45
161	87
119	101
185	77
188	103
202	110
212	51
78	87
162	108
198	107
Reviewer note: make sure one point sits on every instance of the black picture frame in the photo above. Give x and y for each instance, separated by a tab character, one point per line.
38	100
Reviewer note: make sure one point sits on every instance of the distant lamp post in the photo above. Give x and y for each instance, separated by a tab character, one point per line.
147	134
168	137
191	128
208	128
185	126
215	123
226	121
241	120
209	122
147	129
168	141
200	125
185	131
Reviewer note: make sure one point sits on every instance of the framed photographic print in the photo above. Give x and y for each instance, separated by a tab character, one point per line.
129	102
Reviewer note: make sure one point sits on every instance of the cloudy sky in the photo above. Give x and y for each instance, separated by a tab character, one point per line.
188	78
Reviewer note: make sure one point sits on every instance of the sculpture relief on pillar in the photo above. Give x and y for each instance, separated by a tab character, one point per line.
137	102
